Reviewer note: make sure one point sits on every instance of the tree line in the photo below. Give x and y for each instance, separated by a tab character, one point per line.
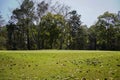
44	25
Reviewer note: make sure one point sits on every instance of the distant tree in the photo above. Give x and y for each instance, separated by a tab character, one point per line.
11	42
92	38
2	34
45	25
74	24
105	32
117	30
63	10
51	30
42	8
22	19
82	38
1	21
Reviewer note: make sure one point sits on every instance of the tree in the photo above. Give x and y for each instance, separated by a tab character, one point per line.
92	38
42	8
22	19
105	30
27	8
117	30
51	30
2	34
12	42
82	38
53	26
74	24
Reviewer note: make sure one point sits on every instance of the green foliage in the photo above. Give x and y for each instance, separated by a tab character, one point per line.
105	31
2	34
77	31
20	25
51	30
3	38
35	26
92	38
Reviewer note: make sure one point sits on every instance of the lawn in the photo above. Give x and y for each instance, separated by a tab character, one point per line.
59	65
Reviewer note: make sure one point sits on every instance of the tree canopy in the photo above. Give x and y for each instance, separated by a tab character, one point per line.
35	26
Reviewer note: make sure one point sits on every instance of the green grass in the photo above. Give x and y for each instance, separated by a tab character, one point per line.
59	65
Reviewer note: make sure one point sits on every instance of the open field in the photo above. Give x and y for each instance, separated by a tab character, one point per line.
59	65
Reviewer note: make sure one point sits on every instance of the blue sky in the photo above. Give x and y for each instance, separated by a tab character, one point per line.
89	9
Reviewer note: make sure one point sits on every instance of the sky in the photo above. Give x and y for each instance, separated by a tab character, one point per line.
88	9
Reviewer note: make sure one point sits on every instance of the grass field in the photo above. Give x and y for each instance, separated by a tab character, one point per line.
59	65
